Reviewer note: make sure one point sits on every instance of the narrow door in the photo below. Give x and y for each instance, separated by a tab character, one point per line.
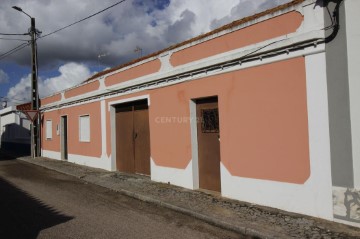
64	141
133	138
142	139
124	139
208	143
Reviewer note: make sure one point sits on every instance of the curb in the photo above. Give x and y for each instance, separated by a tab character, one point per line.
247	231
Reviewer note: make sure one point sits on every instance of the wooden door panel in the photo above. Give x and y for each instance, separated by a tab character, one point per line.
64	138
124	139
142	139
208	144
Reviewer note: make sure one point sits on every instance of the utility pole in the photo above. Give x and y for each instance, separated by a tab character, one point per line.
35	127
34	92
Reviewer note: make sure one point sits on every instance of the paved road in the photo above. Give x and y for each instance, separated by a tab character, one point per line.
39	203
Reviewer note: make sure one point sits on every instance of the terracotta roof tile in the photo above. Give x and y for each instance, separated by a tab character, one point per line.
26	106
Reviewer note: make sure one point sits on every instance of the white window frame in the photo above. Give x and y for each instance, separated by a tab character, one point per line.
49	134
81	136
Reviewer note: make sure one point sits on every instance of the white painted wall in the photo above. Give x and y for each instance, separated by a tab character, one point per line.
6	118
51	154
174	176
19	132
352	18
102	163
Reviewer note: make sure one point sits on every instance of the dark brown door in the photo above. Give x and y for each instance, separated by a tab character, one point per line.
124	139
208	143
64	140
133	138
142	139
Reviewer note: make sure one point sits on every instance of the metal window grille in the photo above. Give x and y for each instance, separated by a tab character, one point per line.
210	120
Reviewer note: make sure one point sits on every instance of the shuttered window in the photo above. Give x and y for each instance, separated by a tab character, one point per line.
48	129
84	129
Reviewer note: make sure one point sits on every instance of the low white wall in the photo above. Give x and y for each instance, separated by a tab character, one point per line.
310	199
102	163
178	177
352	8
51	154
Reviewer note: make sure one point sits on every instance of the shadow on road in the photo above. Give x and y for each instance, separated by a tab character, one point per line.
4	156
10	155
22	215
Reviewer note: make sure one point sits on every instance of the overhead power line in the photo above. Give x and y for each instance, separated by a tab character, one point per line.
13	34
92	15
12	39
12	51
18	48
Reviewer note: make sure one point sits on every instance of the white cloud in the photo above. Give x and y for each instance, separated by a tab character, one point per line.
71	74
4	78
246	8
20	93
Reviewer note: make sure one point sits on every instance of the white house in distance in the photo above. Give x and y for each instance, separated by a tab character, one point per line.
14	131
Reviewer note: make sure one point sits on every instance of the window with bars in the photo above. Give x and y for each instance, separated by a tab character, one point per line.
210	120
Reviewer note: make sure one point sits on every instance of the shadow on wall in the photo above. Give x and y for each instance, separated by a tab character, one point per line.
324	3
16	140
22	215
351	203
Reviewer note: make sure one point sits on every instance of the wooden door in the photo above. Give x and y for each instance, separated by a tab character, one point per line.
124	139
64	138
208	143
142	139
133	138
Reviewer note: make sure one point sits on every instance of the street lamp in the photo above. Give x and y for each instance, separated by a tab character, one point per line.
35	131
20	10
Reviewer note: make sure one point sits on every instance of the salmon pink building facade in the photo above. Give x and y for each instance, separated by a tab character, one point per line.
247	110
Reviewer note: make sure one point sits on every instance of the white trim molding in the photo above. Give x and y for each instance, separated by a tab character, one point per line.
131	99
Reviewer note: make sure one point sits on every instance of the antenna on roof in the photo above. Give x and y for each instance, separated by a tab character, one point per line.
100	56
138	49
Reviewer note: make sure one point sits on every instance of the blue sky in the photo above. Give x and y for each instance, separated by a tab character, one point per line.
71	56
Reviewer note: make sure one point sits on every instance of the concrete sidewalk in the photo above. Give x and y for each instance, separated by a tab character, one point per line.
241	217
